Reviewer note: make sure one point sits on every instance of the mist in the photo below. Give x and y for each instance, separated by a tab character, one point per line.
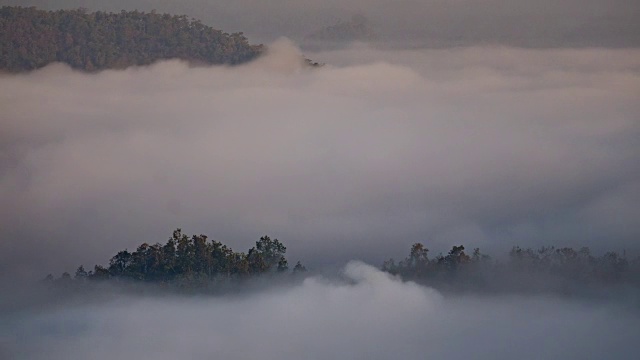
491	124
489	147
363	314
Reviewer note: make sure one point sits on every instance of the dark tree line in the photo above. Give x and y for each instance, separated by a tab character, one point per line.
559	270
32	38
190	259
196	261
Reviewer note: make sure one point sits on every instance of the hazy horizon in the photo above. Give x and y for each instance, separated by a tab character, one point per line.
435	23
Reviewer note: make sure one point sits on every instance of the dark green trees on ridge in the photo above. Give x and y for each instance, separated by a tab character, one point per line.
195	262
547	269
32	38
194	257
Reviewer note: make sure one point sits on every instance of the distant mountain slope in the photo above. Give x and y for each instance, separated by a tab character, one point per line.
32	38
357	29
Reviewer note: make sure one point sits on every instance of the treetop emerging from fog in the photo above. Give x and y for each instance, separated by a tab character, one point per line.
199	263
191	260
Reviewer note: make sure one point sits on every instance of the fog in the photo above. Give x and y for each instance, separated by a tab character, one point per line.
367	315
484	123
433	23
488	147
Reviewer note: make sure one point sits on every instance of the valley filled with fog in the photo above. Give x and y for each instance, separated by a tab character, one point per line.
434	132
489	147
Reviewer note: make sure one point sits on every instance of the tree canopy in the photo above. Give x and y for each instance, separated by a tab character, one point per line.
189	260
548	269
199	262
32	38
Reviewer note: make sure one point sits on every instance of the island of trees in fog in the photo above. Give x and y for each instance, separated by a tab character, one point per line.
32	38
197	262
190	260
564	271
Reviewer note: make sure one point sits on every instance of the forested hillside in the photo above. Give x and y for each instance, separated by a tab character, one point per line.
190	260
195	262
32	38
549	269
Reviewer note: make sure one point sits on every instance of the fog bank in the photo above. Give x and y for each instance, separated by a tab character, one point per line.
368	315
484	146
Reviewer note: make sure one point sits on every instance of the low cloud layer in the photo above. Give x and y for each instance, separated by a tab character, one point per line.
368	316
482	146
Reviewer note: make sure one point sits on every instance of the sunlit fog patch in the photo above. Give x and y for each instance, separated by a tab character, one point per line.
363	314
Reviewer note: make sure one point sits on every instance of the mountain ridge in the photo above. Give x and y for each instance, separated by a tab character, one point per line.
31	38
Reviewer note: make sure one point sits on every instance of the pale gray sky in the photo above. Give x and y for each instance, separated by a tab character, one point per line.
542	23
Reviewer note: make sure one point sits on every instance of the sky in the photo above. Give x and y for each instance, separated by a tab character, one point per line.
485	146
430	23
